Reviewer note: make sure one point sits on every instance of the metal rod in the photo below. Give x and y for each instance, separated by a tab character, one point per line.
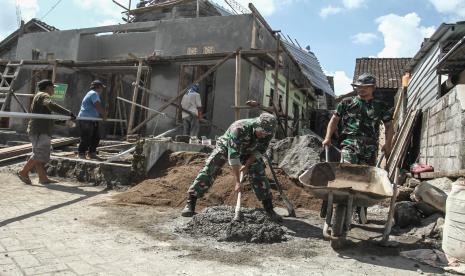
390	219
141	106
349	212
22	115
329	215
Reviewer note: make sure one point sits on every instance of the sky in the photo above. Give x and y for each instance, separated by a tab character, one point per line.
337	31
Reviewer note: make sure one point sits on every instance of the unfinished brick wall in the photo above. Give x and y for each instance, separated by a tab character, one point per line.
443	130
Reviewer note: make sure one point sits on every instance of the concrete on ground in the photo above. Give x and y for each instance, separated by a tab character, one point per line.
74	229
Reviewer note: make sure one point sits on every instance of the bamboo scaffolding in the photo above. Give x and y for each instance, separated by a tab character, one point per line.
237	85
184	91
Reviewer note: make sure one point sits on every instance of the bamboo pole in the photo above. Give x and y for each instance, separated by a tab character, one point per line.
22	115
134	98
54	71
276	72
237	90
287	99
184	91
141	106
19	102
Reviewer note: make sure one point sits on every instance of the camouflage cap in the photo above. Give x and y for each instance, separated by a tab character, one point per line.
365	79
267	123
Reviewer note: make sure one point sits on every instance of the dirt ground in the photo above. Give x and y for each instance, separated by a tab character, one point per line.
172	175
138	239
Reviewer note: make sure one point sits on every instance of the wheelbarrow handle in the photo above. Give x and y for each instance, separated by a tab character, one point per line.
327	153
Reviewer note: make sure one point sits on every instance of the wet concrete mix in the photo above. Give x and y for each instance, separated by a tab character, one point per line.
217	223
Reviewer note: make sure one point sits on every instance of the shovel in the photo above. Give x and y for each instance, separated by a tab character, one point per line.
237	212
289	206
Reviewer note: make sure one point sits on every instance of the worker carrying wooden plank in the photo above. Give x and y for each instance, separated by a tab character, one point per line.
359	119
40	132
242	146
91	106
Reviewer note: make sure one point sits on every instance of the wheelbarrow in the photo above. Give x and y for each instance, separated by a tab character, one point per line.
346	186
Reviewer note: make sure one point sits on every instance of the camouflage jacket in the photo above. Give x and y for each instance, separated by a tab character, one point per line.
361	118
43	104
240	140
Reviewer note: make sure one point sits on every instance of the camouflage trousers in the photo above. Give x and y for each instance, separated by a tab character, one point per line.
356	151
256	174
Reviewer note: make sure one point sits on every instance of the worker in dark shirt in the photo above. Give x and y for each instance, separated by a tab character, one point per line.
40	132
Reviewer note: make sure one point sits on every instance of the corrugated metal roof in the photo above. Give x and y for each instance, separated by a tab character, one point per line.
388	71
310	67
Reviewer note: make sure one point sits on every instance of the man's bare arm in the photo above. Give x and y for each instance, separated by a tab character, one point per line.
101	110
332	126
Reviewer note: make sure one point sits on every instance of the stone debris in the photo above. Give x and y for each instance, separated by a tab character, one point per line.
430	194
428	227
295	154
443	183
217	222
405	214
403	193
412	182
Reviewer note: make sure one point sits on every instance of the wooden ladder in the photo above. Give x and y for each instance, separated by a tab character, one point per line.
7	80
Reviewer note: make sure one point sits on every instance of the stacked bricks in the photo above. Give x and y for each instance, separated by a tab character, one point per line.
444	131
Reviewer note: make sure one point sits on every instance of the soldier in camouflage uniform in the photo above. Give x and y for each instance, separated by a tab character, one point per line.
242	146
359	119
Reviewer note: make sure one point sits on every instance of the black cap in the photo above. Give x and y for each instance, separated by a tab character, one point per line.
365	79
43	84
97	83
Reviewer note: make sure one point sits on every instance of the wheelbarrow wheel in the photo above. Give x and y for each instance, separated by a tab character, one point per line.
338	220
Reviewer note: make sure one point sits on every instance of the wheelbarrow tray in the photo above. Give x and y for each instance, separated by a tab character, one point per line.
368	185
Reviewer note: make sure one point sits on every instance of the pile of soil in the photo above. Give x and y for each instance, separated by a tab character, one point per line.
172	175
217	222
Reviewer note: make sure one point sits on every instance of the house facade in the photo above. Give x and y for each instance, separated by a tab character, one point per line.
175	52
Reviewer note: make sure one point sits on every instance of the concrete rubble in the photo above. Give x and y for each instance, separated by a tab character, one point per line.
295	154
433	193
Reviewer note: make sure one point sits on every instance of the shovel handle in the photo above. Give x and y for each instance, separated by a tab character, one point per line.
327	153
378	164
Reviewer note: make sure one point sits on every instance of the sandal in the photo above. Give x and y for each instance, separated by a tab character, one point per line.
25	180
48	181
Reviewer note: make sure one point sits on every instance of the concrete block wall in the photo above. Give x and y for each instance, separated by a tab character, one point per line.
442	142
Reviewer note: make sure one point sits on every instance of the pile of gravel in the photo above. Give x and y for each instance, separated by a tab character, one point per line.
217	222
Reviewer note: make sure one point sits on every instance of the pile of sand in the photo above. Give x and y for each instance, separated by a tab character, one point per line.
172	175
217	222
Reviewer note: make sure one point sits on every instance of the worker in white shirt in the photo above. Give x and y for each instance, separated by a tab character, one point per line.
192	103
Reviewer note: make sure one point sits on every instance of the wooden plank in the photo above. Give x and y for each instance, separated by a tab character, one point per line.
431	175
23	149
135	95
402	142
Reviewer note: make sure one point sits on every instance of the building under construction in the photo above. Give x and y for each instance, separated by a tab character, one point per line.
150	61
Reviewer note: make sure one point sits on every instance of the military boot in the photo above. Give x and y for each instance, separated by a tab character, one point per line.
189	210
268	206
